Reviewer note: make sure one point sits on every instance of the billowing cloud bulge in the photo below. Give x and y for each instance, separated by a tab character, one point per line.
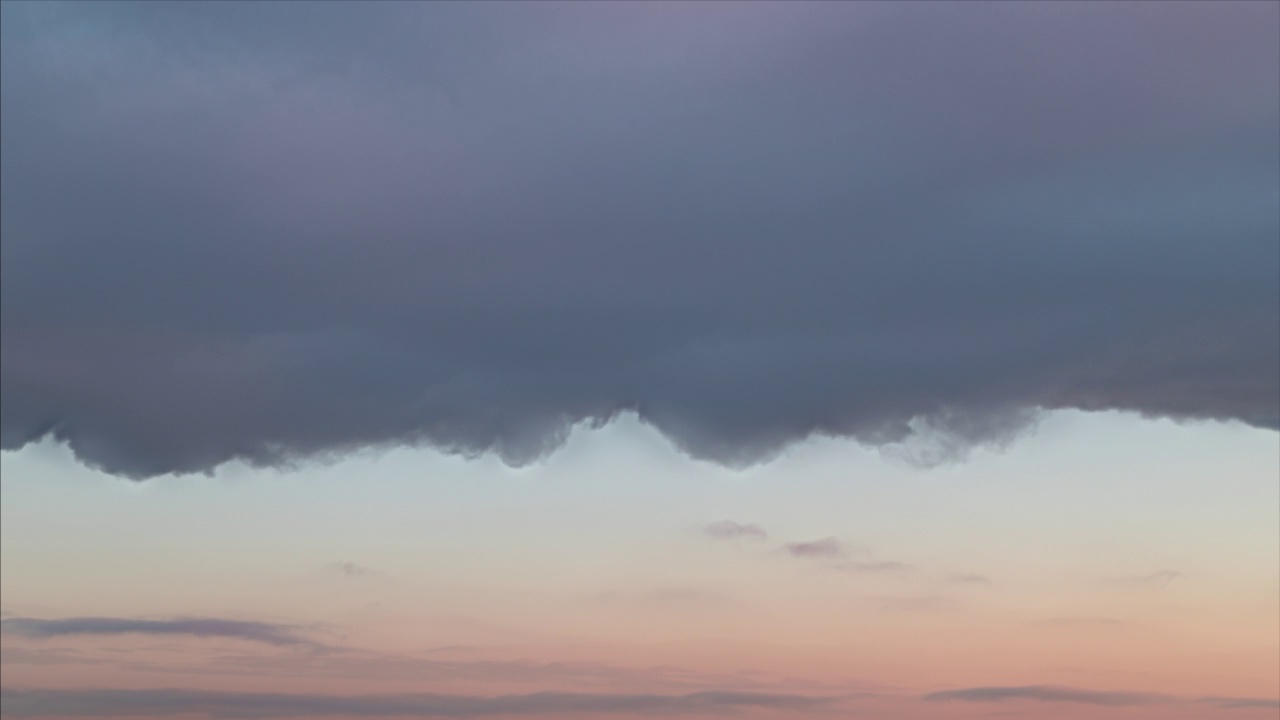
271	231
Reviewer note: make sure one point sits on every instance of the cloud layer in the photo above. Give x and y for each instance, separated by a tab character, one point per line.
166	703
1060	694
271	232
1047	693
261	632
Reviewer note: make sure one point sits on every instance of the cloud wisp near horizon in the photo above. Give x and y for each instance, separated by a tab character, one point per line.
165	702
260	632
730	530
271	233
1060	694
168	703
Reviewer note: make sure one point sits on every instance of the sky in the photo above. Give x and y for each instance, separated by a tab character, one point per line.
894	360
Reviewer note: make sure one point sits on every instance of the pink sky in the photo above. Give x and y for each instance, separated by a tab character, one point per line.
480	581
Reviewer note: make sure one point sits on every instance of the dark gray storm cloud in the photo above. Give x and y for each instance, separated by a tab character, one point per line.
261	632
164	703
273	231
1047	693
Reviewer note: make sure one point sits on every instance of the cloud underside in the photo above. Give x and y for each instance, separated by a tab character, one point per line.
33	703
268	633
275	232
1059	694
167	703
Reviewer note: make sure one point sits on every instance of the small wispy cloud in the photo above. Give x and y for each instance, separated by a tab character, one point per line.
1158	579
844	558
1110	698
883	566
10	655
968	579
1082	622
169	703
728	530
914	603
1234	703
671	597
1047	693
446	665
350	569
827	548
260	632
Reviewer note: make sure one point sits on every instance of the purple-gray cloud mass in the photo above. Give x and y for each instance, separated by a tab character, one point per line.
276	231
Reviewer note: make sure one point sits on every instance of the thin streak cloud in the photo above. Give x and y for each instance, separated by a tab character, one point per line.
826	548
969	579
168	703
728	530
351	569
880	566
1240	703
259	632
1060	694
1159	579
1049	694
